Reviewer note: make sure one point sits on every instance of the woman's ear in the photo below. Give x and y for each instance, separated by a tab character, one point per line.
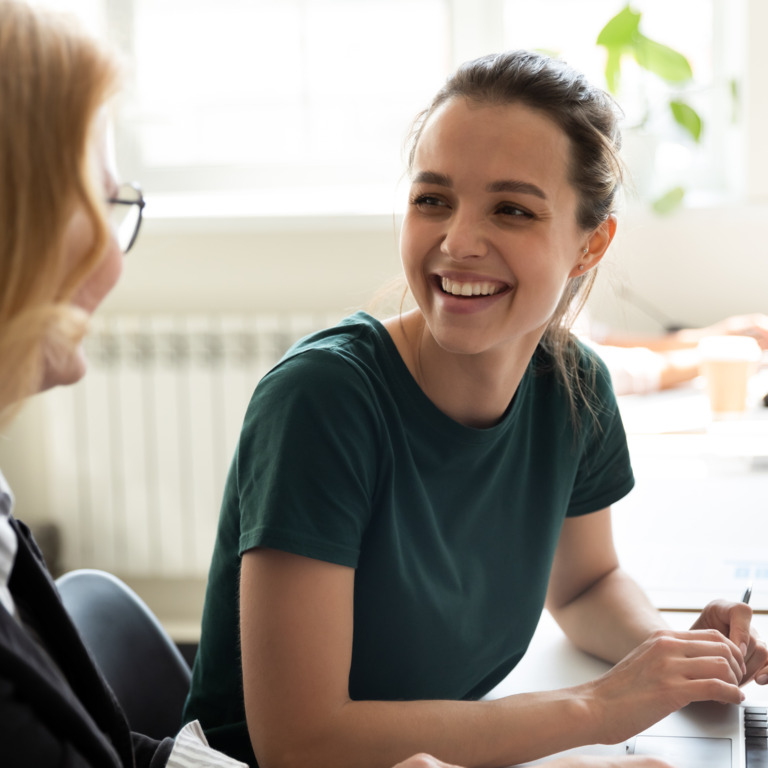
596	246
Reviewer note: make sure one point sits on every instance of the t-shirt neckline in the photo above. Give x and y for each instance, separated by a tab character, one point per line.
426	409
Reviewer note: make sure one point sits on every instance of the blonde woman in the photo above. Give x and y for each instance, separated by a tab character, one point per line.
65	225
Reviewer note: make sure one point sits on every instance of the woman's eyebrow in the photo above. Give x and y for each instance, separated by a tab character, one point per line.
511	185
503	185
430	177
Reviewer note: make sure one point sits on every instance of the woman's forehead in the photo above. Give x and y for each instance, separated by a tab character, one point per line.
495	140
507	124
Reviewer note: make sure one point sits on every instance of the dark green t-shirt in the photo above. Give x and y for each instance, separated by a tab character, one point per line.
451	529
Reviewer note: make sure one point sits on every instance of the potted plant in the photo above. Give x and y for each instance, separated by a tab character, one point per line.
624	41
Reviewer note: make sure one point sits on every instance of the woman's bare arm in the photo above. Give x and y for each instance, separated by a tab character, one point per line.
296	633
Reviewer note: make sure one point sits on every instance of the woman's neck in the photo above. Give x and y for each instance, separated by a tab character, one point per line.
474	390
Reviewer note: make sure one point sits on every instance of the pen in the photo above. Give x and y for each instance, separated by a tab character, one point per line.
747	594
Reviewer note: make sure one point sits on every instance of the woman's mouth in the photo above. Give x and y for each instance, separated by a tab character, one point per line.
470	288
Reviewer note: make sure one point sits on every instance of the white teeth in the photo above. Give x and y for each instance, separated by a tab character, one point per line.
469	289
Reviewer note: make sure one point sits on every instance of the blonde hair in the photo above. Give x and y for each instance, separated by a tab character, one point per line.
54	79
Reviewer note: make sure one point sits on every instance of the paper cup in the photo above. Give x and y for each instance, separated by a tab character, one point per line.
726	363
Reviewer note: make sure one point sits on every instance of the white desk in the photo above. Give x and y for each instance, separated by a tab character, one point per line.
696	525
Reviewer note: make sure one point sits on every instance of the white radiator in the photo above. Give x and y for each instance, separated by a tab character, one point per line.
139	450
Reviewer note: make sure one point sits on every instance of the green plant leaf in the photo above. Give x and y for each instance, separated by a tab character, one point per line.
620	31
669	201
613	70
667	63
687	118
551	52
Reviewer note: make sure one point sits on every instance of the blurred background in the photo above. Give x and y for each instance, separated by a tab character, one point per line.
267	136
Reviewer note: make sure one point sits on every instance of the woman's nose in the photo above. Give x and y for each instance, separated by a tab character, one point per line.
464	237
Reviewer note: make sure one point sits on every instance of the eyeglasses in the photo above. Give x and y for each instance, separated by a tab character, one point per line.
125	214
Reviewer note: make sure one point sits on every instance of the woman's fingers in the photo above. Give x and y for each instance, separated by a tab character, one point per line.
714	656
663	674
716	659
756	660
734	620
730	619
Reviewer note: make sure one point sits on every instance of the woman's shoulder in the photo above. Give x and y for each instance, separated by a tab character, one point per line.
354	336
344	363
329	383
356	342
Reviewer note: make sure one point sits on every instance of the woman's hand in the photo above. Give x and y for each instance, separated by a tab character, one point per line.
755	325
666	672
734	620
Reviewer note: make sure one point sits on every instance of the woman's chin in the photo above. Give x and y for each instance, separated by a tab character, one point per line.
64	371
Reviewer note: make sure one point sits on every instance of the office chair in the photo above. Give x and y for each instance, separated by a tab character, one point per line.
146	671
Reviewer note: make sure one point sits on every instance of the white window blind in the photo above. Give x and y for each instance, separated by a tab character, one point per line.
293	106
300	107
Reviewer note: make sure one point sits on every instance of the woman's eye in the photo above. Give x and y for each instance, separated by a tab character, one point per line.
507	209
427	201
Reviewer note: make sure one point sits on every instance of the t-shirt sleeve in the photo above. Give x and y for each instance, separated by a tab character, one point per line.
304	467
605	473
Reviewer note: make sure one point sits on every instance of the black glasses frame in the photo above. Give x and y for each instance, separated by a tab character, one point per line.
140	203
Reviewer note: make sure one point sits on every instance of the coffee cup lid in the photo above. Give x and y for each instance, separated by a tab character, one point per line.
729	348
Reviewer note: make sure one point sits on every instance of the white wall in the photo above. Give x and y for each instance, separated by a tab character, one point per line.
242	265
697	266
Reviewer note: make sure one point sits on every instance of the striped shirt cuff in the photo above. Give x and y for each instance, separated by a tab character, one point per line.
191	750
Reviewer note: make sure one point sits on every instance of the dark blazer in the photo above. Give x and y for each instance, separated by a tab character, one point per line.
65	717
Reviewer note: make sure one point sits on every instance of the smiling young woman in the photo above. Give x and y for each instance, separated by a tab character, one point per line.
407	496
489	242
